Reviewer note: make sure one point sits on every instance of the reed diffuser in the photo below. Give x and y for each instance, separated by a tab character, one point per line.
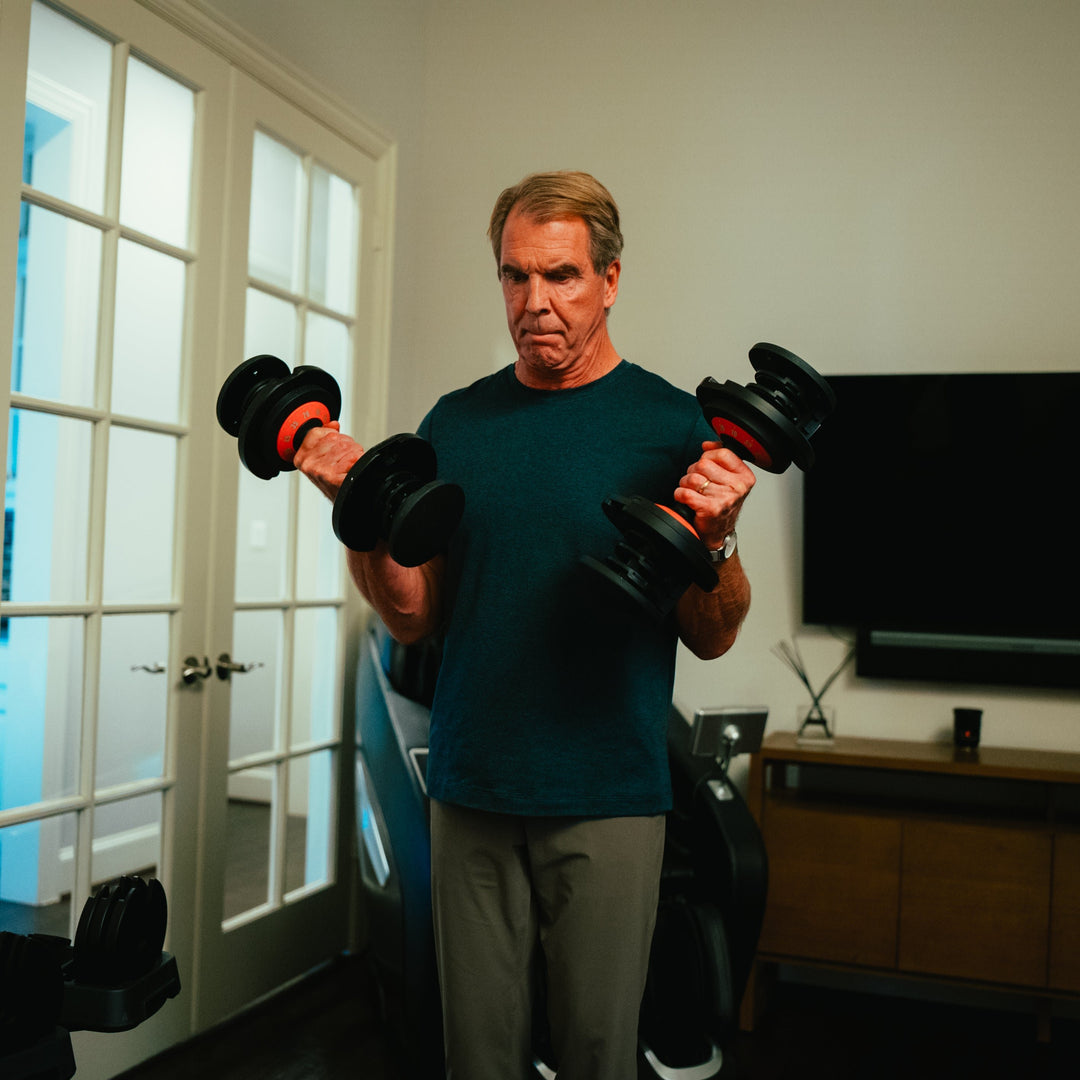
817	724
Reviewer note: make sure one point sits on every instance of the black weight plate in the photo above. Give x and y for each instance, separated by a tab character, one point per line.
424	522
357	516
814	391
241	384
82	931
91	953
138	932
770	440
296	394
157	919
98	916
625	579
323	387
123	909
638	517
255	445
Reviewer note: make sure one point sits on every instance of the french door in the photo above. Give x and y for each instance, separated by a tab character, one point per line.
303	216
174	634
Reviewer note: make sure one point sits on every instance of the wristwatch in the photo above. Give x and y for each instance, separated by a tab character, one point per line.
725	552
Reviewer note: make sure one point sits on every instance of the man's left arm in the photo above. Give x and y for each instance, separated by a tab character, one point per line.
715	488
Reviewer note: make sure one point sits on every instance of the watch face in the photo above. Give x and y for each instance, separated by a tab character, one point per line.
725	552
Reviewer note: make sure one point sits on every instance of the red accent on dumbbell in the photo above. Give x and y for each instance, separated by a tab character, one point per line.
310	414
725	428
678	517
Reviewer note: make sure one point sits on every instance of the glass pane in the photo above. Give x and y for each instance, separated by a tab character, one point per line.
131	700
41	688
155	175
47	508
263	511
269	327
326	345
127	838
275	240
56	319
250	825
262	531
256	694
319	555
333	241
67	109
308	837
149	334
314	682
139	512
37	876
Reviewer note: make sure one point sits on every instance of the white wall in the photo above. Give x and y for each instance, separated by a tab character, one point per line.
878	185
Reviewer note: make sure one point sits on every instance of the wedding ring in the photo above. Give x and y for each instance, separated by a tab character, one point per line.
701	490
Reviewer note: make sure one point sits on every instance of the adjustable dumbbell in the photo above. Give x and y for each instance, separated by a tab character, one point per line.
768	423
390	493
121	931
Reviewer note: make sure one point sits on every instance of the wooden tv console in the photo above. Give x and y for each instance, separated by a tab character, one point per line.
918	859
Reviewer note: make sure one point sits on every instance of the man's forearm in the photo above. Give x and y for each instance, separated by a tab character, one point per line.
709	621
408	599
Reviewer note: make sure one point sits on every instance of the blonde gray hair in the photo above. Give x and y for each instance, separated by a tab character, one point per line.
550	196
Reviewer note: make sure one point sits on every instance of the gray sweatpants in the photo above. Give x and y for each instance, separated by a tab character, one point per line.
587	889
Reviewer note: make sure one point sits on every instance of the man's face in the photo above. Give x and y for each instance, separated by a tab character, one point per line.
556	303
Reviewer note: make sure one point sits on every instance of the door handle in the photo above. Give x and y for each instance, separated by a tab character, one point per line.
150	669
194	670
226	666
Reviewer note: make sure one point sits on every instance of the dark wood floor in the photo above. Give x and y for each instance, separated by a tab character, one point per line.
328	1028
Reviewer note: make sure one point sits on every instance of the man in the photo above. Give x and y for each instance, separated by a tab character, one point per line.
547	768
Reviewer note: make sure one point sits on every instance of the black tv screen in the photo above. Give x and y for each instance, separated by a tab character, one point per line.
939	522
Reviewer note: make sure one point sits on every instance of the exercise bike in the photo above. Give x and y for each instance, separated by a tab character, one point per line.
713	882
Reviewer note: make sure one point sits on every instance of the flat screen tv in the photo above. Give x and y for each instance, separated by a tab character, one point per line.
940	524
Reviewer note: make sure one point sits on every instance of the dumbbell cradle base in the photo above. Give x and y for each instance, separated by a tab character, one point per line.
120	1008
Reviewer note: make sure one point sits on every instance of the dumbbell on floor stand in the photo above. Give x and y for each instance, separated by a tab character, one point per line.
110	979
768	423
390	493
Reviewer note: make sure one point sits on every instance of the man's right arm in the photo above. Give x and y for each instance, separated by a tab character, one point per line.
407	598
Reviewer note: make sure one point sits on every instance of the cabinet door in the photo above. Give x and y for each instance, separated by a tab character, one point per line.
975	902
833	885
1065	913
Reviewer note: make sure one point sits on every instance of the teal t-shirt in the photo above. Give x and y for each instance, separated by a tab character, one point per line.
554	691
